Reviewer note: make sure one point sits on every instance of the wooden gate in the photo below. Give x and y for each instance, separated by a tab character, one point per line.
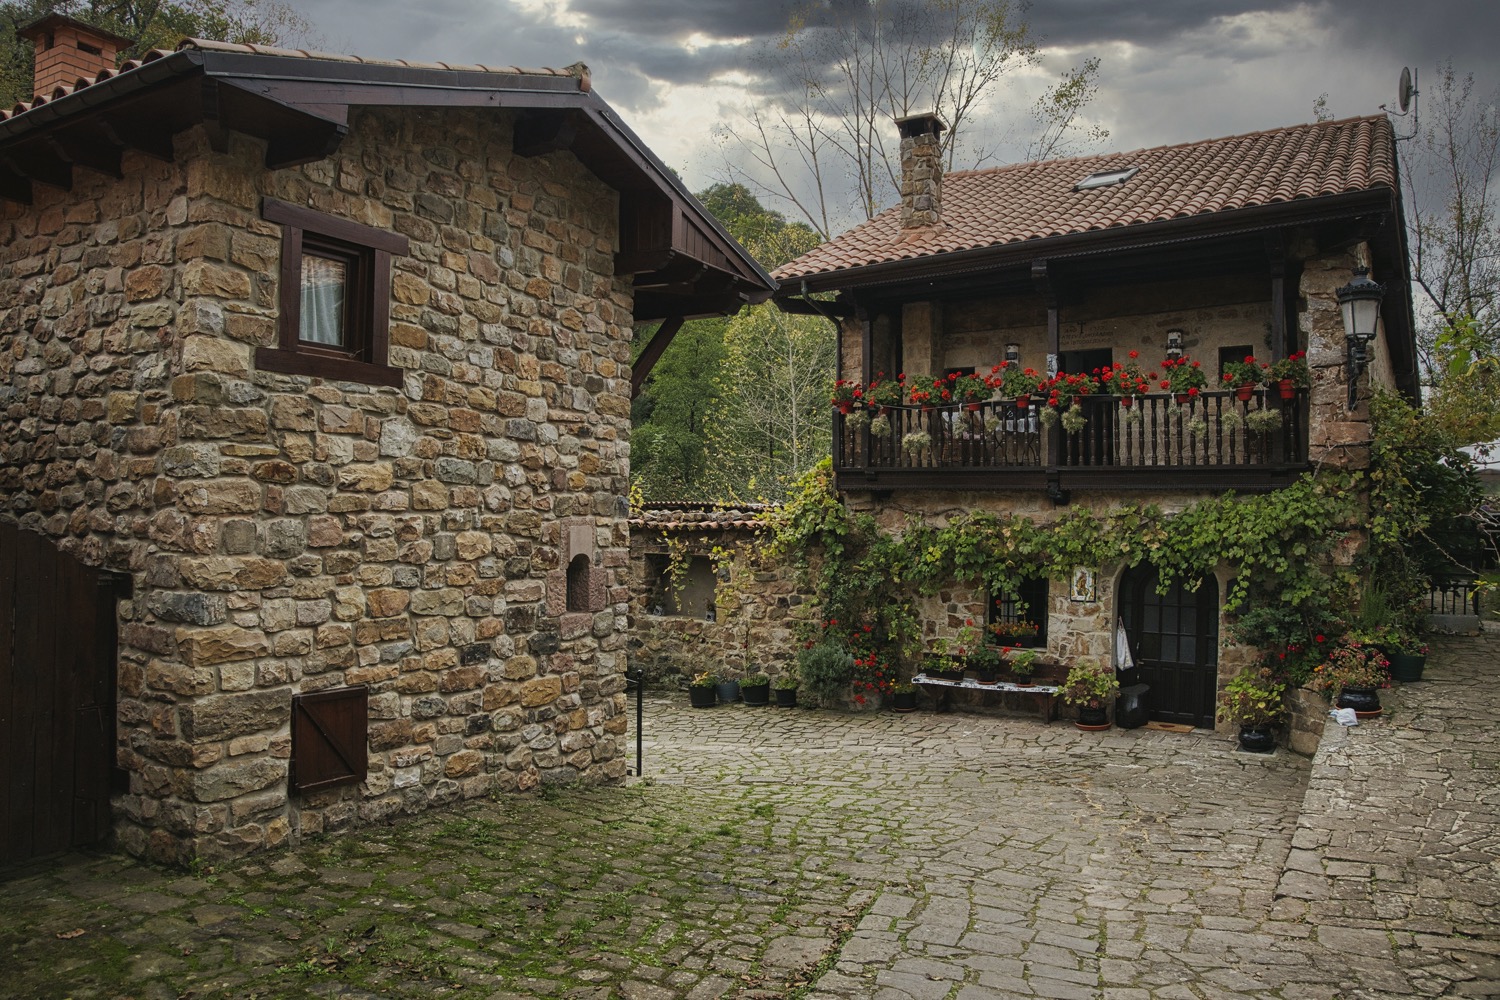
57	697
1175	640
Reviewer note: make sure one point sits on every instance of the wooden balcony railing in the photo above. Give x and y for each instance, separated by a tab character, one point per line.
1211	441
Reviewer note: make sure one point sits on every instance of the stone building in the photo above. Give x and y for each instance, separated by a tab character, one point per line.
1209	250
704	596
327	361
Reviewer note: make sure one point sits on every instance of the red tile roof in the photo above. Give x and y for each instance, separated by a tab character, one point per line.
686	516
577	70
1034	201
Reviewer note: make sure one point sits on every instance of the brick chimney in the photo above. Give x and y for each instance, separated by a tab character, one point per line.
67	49
921	170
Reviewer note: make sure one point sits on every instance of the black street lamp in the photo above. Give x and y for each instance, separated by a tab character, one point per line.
1359	301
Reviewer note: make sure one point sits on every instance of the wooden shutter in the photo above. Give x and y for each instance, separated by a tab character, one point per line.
330	734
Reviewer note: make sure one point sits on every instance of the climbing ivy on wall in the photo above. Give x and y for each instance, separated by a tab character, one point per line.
1277	546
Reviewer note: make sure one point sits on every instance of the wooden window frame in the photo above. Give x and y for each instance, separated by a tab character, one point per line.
367	252
1036	593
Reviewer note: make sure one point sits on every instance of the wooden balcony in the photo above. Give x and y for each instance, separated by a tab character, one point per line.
1149	442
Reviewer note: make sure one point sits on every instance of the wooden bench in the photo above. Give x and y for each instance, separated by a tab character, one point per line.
1046	694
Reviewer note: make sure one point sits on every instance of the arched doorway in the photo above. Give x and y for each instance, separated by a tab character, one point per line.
1174	638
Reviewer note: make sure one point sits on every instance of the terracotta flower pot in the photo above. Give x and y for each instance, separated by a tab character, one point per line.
1288	390
1023	402
1244	392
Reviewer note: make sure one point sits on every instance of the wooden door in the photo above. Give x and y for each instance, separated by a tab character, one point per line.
57	697
1175	640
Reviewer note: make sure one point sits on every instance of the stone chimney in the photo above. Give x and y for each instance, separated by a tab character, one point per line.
67	50
921	170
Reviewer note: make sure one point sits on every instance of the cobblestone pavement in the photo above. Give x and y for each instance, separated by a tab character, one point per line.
782	853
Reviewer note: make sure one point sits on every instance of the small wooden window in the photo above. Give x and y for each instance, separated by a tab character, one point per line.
330	736
335	297
1026	613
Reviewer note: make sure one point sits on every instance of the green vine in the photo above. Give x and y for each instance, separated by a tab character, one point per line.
1277	545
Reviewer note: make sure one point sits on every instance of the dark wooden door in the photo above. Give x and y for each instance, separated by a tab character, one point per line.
57	698
1175	640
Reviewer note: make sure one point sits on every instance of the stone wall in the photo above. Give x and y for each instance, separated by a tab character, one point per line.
756	613
286	534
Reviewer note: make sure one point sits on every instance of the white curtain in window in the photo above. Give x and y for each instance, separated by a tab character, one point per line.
323	285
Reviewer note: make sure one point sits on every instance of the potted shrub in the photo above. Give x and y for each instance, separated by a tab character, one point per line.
1018	383
701	690
885	393
756	689
970	390
729	689
826	670
846	394
785	687
1255	700
904	696
1090	688
1352	674
1022	664
943	666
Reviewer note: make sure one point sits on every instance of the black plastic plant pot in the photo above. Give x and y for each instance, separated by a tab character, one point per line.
703	697
756	695
1257	739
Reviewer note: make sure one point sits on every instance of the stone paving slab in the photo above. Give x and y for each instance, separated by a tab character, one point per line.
791	853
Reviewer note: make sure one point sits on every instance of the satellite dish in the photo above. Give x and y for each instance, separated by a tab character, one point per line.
1404	89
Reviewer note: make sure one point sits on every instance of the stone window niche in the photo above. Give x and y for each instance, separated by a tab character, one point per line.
334	297
578	583
1030	609
694	600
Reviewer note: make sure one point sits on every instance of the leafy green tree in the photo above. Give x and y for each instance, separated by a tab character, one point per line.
751	392
772	423
148	24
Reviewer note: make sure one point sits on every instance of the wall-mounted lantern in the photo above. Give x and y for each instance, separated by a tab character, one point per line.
1013	354
1359	301
1174	344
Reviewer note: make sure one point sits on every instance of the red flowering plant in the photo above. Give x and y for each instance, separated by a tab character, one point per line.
846	393
968	388
1184	376
1064	390
920	390
1015	382
1352	664
886	392
1247	372
1292	368
1126	380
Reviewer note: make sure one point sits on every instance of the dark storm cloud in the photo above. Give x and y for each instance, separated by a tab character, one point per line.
678	19
1146	22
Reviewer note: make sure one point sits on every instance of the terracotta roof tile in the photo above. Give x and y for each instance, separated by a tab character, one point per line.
577	70
1033	201
680	516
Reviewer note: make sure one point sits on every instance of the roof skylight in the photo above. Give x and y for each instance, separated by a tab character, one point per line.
1105	178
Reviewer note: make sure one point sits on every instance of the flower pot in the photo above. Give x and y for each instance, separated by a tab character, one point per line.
1257	739
904	701
1364	701
760	695
844	408
973	407
1092	719
946	675
987	675
1407	667
1183	397
702	697
786	697
729	692
1288	390
1023	682
1244	392
1023	402
1125	402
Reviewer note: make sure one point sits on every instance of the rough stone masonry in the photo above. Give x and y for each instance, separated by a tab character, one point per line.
285	534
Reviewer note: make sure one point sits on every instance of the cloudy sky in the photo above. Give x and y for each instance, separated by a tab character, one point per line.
1171	70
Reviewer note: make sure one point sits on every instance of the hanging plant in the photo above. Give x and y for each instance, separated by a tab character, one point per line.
1073	419
858	420
1263	421
1049	415
1231	420
881	426
1198	427
916	441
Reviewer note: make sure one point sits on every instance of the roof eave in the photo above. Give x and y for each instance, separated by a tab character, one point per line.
1133	237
